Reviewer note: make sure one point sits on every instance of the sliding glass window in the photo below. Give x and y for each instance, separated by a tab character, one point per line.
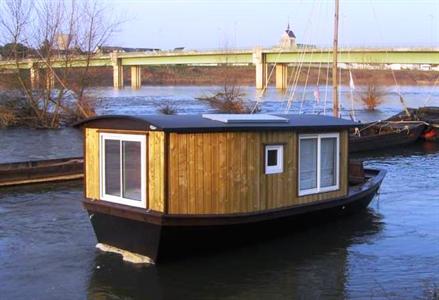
123	168
318	163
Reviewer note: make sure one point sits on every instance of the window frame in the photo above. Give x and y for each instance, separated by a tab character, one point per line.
279	167
122	137
318	188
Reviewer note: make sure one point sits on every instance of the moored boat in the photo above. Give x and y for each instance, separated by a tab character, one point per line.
38	171
428	114
165	186
385	134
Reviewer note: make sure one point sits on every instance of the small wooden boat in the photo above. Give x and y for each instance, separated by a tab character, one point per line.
164	186
428	115
384	134
41	171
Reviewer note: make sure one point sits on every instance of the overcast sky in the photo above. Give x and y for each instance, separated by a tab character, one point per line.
197	24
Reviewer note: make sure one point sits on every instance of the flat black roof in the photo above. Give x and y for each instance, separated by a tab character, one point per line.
196	123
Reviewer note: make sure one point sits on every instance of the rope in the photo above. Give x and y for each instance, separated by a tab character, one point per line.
260	94
317	85
306	84
326	87
296	80
398	90
431	93
301	60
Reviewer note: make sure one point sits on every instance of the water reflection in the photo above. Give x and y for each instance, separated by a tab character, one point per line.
46	242
306	264
24	144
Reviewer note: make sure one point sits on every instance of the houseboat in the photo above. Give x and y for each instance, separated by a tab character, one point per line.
161	186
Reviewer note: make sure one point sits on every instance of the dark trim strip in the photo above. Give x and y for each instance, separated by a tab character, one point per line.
138	214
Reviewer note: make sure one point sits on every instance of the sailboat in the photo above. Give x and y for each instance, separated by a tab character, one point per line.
379	134
384	134
388	133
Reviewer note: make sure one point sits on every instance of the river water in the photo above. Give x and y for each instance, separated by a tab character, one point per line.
390	251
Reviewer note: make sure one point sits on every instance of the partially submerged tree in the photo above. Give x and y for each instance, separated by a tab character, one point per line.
229	99
167	108
372	96
56	32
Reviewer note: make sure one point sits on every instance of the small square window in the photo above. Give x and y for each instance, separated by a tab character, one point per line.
271	158
274	159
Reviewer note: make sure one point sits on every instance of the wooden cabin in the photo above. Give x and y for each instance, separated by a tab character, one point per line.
209	170
194	165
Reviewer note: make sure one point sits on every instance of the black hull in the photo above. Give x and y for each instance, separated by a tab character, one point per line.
162	237
429	115
377	142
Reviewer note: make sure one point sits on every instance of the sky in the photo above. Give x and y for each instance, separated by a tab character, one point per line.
213	24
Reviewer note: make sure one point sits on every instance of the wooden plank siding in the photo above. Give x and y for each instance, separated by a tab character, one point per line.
155	183
215	173
156	171
91	163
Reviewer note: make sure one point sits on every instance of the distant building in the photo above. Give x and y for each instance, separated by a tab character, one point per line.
63	41
111	49
288	39
425	67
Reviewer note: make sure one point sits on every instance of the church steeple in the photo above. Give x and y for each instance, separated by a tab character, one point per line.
288	39
289	31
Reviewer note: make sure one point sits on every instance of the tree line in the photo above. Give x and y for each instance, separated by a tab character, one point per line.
54	32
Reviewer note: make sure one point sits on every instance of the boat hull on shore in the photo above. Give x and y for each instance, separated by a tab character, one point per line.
162	237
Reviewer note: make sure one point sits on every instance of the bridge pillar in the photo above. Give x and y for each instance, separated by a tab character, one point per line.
50	79
117	71
282	76
34	76
136	77
259	61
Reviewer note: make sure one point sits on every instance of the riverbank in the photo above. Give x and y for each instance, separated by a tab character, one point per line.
245	76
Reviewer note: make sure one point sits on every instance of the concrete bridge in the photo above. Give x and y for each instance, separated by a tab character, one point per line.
260	58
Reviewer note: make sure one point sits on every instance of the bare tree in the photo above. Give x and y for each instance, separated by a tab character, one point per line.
372	96
229	98
56	33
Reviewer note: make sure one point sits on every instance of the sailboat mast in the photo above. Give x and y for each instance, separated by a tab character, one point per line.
335	101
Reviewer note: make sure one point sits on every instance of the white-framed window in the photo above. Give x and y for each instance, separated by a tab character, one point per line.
123	168
274	159
319	163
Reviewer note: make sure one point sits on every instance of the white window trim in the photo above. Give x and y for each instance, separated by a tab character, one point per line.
279	168
337	177
129	138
